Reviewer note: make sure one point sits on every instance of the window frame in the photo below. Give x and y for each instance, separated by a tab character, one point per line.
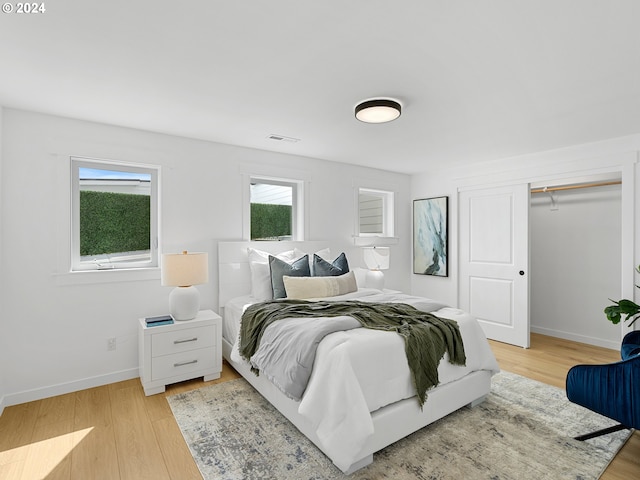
76	163
297	203
388	212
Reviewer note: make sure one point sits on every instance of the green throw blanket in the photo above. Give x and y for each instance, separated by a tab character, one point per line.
426	336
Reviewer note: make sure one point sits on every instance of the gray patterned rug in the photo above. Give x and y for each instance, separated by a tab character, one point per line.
522	431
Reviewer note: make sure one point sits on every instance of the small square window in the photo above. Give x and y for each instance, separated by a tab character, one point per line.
275	209
114	215
375	213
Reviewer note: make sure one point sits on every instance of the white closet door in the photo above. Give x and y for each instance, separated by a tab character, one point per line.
494	260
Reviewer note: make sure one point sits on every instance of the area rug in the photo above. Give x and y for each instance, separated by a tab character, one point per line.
523	430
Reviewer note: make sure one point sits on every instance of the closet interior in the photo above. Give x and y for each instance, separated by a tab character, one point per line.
575	258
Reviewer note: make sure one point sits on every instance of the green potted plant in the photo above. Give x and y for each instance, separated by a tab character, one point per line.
629	308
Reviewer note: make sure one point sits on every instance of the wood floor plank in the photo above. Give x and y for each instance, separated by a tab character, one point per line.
95	455
16	429
626	465
178	459
49	453
139	455
549	359
93	408
56	409
157	407
12	471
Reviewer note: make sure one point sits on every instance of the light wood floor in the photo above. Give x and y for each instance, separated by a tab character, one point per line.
115	432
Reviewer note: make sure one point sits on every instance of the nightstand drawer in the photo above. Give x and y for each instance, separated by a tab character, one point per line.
179	351
181	363
182	340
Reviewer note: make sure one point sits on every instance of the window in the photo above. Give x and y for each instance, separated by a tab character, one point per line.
114	215
375	213
276	209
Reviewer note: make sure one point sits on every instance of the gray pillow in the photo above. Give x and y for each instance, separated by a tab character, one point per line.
279	268
322	268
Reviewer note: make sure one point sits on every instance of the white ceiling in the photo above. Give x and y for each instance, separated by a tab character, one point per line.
478	79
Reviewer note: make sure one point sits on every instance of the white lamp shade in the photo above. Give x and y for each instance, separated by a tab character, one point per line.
376	258
184	269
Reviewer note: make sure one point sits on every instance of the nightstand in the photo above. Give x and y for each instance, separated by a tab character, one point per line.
180	351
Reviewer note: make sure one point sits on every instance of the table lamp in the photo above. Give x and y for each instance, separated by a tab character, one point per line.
376	259
183	271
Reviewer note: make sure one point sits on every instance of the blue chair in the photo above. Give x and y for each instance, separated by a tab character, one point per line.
612	390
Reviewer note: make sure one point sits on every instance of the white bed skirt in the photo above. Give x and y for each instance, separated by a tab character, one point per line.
391	423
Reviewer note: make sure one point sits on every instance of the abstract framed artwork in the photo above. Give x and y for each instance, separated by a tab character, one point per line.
430	236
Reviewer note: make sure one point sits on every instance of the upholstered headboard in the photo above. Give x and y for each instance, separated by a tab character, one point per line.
234	275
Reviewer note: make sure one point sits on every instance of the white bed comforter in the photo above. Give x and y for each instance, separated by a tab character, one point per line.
359	371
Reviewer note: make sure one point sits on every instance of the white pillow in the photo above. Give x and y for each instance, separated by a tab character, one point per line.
260	274
260	281
319	287
263	257
361	276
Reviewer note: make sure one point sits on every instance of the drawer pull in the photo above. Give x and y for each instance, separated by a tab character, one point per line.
194	339
184	363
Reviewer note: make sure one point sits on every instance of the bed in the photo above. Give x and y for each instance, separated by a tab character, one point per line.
358	400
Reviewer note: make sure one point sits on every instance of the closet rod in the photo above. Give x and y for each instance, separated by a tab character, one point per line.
573	187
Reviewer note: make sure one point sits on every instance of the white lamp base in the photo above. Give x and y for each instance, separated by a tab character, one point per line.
184	303
375	279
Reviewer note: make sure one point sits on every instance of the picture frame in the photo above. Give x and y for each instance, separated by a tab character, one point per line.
430	236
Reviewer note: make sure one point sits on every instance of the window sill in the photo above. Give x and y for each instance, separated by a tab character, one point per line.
373	240
107	276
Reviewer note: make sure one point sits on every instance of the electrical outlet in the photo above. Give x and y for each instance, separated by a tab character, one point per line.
111	343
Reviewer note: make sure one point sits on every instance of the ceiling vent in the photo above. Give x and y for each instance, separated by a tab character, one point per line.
282	138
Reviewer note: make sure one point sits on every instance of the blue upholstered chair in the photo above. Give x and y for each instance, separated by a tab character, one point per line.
612	390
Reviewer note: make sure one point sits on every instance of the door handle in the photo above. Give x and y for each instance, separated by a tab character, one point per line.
521	272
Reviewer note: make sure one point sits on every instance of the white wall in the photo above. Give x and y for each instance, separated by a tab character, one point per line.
439	184
575	250
2	315
56	324
616	155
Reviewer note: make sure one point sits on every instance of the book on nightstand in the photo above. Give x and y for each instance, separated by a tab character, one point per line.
160	320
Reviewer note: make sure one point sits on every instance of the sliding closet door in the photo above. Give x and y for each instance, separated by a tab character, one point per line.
494	260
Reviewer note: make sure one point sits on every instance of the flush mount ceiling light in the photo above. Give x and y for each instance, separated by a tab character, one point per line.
378	110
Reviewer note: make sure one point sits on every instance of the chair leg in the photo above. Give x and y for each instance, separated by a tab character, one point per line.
604	431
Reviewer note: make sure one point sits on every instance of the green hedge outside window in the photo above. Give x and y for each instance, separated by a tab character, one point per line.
270	221
114	222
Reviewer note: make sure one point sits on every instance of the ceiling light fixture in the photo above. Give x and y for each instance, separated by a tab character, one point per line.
379	110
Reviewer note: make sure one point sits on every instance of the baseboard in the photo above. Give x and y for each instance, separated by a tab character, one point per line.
62	388
1	405
598	342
